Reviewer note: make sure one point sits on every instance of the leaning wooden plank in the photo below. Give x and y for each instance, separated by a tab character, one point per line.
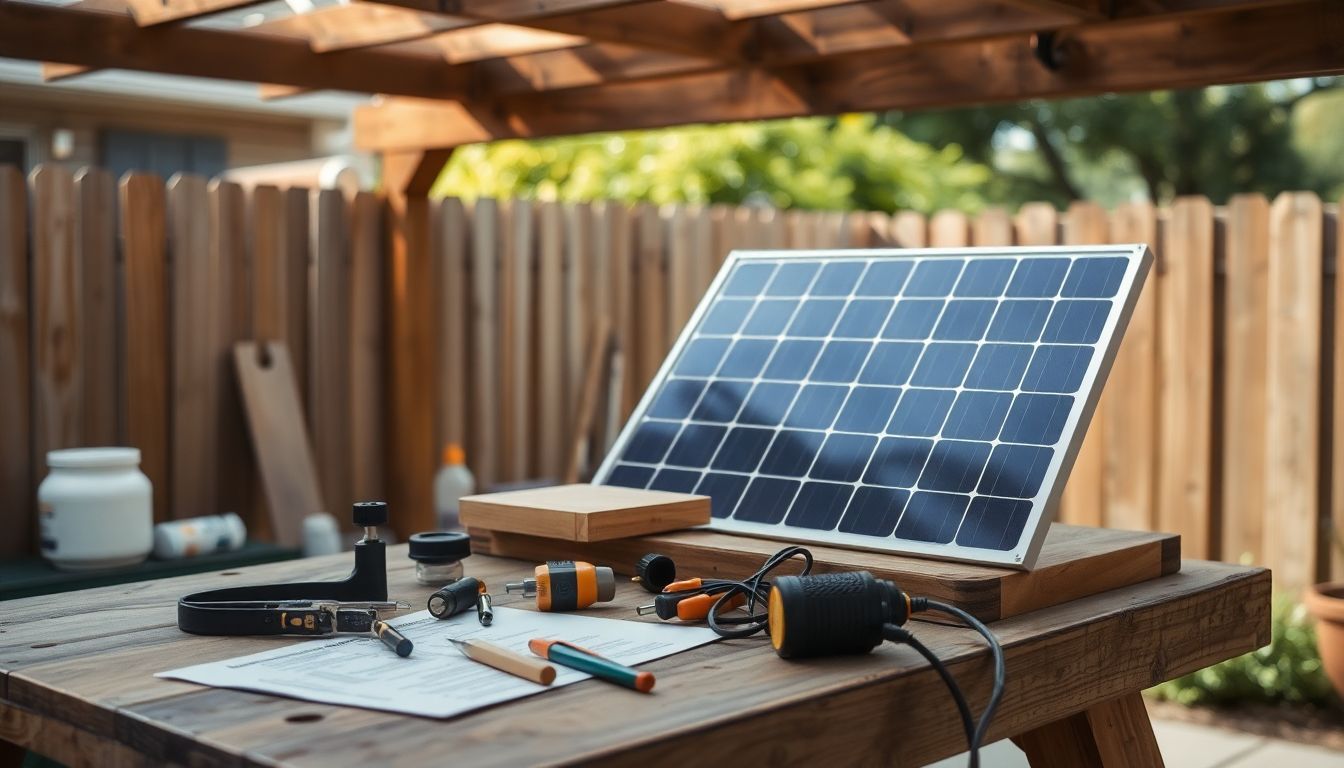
1130	419
284	455
57	345
549	385
367	343
485	264
233	322
147	307
1292	505
1185	349
1246	325
599	349
195	429
16	461
1085	224
330	380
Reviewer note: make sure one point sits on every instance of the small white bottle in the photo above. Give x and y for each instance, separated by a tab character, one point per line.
452	482
199	536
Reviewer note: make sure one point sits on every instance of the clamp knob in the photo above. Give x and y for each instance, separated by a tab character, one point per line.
369	514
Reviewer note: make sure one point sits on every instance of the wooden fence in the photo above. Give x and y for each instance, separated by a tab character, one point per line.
118	302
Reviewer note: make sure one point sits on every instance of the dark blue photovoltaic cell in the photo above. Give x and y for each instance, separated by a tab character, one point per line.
816	317
816	406
746	359
767	500
999	366
792	279
965	320
791	453
863	318
954	465
898	461
696	445
701	357
721	401
819	505
793	359
723	491
1076	322
1097	278
874	511
725	317
630	476
770	317
677	398
913	319
994	523
768	403
944	364
841	360
843	457
868	409
650	442
891	362
977	415
838	278
742	449
932	517
1038	277
985	277
1015	471
884	278
934	277
675	480
748	279
1036	419
1057	369
921	412
1019	320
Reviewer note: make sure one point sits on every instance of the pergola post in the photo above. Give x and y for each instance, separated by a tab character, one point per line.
407	177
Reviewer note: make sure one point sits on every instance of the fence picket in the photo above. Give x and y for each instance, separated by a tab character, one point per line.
485	431
1037	224
452	301
949	229
330	379
992	227
367	446
909	229
95	228
652	280
550	385
234	466
193	328
16	461
1292	392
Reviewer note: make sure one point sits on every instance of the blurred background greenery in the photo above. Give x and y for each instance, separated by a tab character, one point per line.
1217	141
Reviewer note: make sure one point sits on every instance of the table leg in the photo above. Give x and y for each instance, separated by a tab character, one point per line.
1109	735
11	755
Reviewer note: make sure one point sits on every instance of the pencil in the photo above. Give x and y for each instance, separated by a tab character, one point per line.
504	660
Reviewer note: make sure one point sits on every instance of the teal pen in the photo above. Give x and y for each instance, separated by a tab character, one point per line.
574	657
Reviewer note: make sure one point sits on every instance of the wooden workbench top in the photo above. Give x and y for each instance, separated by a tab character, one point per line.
76	683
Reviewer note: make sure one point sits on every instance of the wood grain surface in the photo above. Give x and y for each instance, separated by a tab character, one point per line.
83	669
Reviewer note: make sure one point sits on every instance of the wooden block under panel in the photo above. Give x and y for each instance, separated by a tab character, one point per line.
584	513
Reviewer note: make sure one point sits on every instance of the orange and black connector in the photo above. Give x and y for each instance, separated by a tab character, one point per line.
691	600
567	585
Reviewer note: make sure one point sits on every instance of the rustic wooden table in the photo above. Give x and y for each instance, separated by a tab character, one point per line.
78	686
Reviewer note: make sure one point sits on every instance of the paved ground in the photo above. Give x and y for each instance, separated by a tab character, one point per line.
1187	745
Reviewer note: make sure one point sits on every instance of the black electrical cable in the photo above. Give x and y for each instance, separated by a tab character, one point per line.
899	635
1000	669
756	589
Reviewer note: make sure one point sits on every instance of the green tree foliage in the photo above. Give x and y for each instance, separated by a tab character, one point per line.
815	163
1216	141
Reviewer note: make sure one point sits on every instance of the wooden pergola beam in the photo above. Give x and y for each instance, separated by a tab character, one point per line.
151	12
361	25
114	41
1292	40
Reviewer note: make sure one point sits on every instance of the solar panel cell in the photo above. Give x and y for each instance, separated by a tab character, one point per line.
1019	320
769	318
977	415
993	523
867	409
999	366
944	364
1095	278
863	318
1056	368
723	491
874	511
675	480
819	505
932	517
631	476
650	442
954	465
839	278
677	398
721	401
793	359
914	319
816	317
742	449
892	362
1076	322
1015	471
921	412
702	357
767	500
898	461
792	453
792	279
816	406
768	403
843	457
965	320
1036	419
985	277
696	445
746	358
1038	277
841	361
934	277
884	278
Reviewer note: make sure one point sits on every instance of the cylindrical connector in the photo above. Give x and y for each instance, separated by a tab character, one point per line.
455	598
484	613
832	613
392	638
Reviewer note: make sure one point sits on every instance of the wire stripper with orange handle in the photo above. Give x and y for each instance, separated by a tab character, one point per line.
691	599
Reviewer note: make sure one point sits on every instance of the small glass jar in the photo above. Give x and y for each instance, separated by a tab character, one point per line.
438	556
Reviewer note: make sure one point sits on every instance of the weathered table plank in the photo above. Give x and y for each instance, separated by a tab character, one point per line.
738	699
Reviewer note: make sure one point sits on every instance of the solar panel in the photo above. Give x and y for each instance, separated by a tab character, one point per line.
921	401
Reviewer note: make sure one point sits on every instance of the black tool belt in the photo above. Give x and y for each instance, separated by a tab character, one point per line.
312	609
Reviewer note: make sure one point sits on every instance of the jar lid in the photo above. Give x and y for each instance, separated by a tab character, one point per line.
439	546
93	458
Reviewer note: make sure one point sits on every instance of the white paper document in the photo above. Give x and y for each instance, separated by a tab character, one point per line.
436	680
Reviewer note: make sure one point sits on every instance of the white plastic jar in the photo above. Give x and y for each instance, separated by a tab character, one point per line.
96	509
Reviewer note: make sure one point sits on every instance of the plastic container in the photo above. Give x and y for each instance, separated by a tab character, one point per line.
451	483
199	536
321	535
438	556
96	509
